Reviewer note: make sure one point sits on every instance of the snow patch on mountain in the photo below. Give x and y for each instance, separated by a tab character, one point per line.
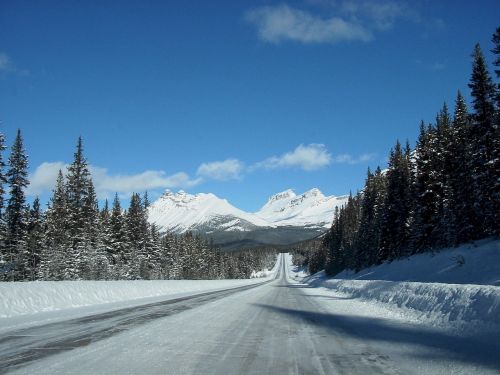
206	213
182	212
309	209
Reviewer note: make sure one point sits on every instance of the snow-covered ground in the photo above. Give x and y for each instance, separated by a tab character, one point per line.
31	303
445	290
283	327
477	263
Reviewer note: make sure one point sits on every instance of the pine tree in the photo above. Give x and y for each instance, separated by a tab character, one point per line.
394	228
496	50
496	142
425	192
459	197
15	214
485	157
442	160
136	237
118	252
55	251
3	231
367	239
91	262
35	240
78	188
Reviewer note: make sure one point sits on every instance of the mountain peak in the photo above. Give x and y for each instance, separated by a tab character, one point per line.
208	214
314	192
289	193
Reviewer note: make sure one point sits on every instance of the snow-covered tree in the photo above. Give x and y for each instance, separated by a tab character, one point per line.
15	213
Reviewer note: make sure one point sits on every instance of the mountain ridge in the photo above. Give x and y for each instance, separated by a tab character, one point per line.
285	218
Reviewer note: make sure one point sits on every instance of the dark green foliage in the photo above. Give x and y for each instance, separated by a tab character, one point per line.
3	229
484	143
16	211
35	240
394	221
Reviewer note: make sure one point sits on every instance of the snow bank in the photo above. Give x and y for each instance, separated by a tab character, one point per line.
20	298
455	289
467	264
459	306
24	298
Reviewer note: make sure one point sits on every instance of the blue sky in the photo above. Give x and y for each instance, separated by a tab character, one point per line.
240	98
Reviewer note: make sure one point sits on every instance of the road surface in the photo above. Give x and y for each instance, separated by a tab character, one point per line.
274	328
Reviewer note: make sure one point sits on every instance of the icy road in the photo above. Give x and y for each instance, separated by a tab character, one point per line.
277	327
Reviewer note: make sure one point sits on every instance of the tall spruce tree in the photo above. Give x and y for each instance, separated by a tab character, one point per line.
15	214
3	231
394	228
35	240
485	156
56	249
118	252
78	185
496	141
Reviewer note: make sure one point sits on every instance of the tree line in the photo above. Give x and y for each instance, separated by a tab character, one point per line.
73	239
444	192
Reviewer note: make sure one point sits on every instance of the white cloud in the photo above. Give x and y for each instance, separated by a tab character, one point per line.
43	180
7	66
147	180
309	157
229	169
280	23
349	159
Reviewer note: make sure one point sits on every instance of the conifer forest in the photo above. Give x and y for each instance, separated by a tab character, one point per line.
74	239
443	192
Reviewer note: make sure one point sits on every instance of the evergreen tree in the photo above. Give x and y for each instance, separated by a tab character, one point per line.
459	197
3	232
495	167
57	242
78	188
105	239
91	253
496	50
485	155
394	226
35	240
368	236
136	237
15	214
118	252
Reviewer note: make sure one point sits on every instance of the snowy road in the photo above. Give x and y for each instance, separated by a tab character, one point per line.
276	328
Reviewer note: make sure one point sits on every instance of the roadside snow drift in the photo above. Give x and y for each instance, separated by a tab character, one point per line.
457	302
33	297
22	298
477	263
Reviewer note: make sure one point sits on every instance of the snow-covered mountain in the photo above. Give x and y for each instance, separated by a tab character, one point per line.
309	209
184	212
285	218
